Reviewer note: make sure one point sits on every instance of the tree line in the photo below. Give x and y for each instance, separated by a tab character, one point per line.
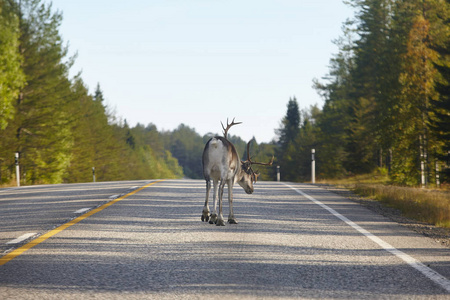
60	130
187	146
386	104
386	98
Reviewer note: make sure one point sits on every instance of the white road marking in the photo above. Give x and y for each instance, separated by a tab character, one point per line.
428	272
113	196
21	238
4	190
82	210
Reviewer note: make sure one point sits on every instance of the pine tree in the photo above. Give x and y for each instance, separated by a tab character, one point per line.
42	118
79	169
11	76
60	130
12	81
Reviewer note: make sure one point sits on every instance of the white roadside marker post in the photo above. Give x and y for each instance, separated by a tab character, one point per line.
17	168
313	166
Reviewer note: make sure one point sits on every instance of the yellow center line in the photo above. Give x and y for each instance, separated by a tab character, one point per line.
13	254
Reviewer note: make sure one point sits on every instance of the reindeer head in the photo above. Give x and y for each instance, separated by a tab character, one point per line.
247	176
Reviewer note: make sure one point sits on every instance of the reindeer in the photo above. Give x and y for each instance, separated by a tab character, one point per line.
221	162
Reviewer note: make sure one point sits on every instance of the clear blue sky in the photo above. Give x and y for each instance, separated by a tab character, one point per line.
198	62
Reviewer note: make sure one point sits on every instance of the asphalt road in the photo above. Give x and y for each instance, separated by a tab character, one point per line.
292	241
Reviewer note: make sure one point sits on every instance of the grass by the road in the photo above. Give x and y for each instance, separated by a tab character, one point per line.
426	205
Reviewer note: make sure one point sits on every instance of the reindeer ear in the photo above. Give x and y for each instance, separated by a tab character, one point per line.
255	177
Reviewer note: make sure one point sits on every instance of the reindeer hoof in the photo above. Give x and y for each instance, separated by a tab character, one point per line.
220	223
213	219
232	221
205	218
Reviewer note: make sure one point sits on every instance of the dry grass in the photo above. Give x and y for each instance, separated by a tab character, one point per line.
11	183
425	205
380	176
428	206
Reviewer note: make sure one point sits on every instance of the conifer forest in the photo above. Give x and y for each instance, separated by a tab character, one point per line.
386	106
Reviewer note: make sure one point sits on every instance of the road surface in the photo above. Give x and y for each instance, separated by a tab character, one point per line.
145	240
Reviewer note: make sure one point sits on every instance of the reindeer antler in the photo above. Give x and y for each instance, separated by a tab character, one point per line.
257	163
225	130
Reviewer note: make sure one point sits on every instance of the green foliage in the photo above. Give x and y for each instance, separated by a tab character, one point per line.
290	124
295	159
288	133
11	75
262	153
386	93
386	105
60	130
440	108
186	145
42	115
385	98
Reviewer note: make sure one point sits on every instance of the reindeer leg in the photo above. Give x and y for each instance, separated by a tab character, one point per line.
231	218
205	213
220	221
213	219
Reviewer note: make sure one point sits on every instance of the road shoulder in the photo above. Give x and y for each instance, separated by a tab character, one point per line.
437	234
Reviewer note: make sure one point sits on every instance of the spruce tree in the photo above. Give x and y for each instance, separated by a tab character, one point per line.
290	124
440	124
333	122
369	81
288	133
